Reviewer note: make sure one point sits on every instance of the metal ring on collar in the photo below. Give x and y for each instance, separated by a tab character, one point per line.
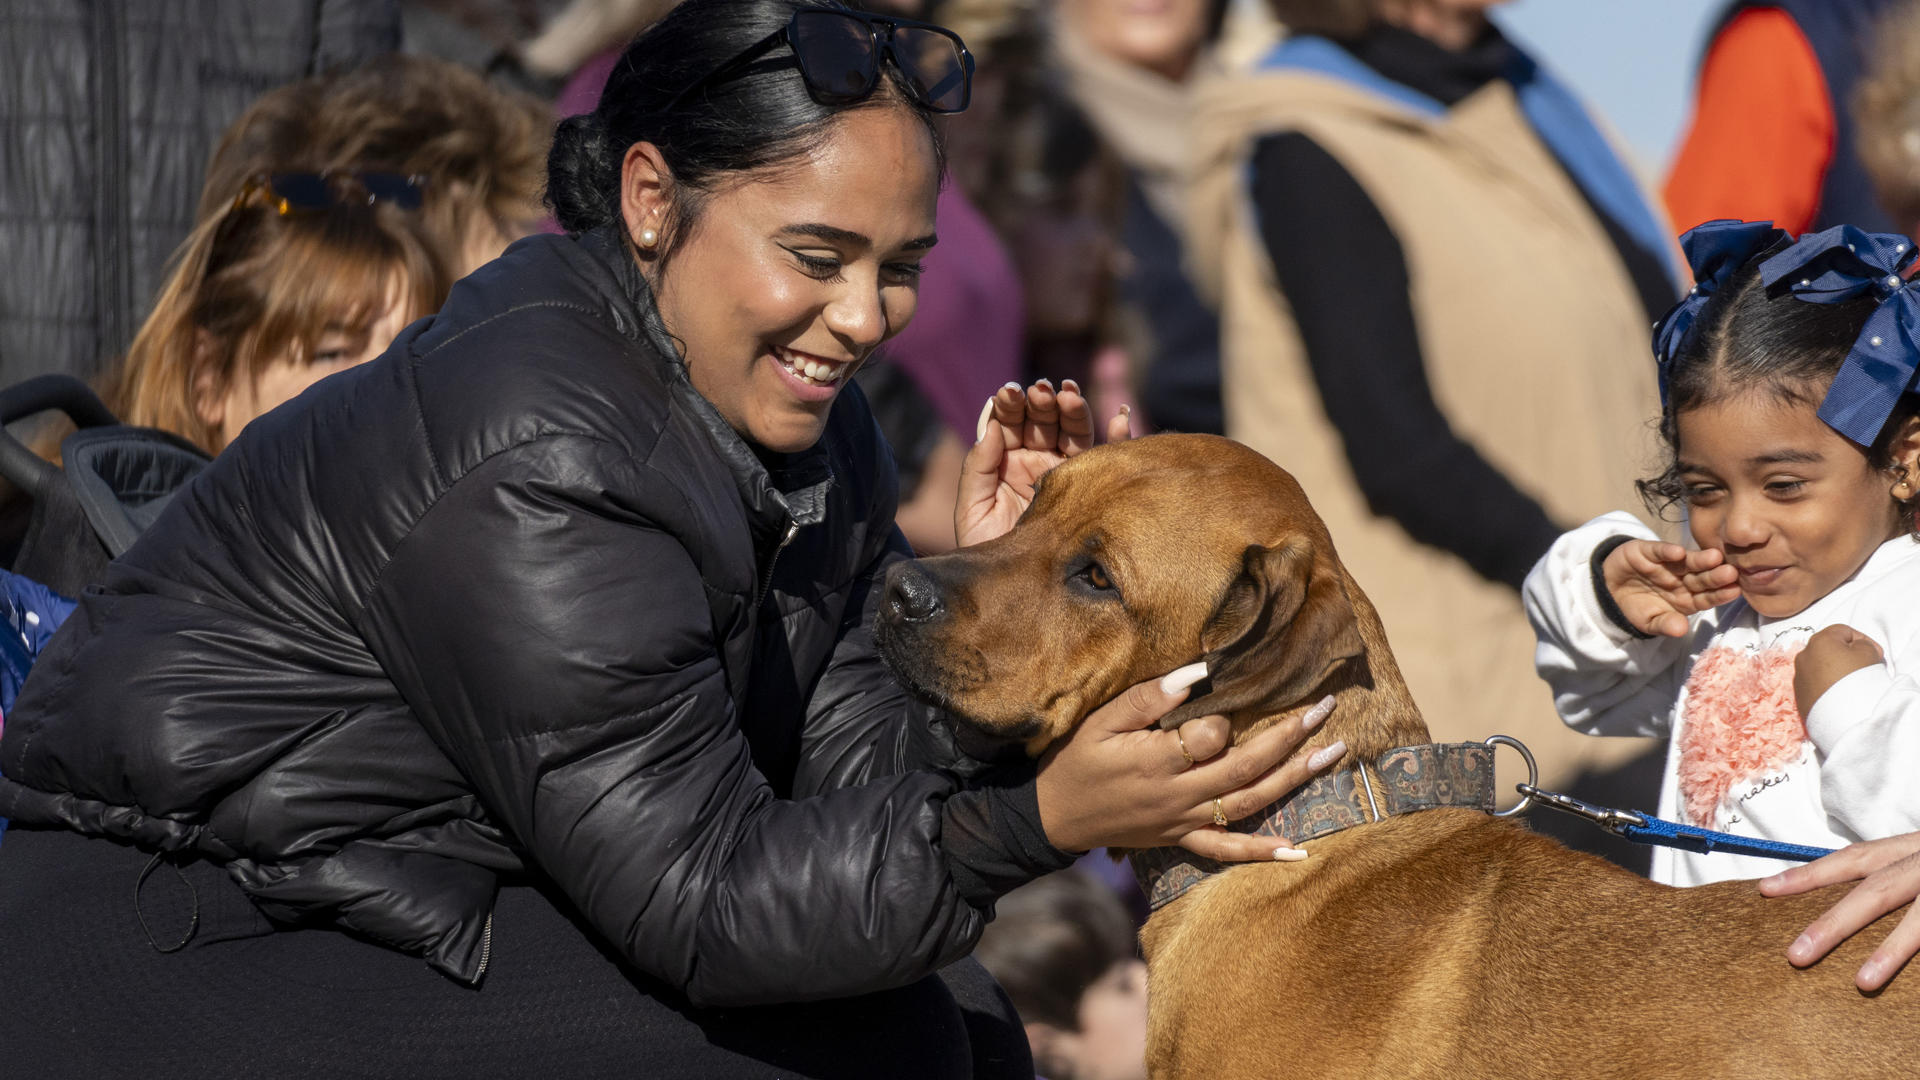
1494	742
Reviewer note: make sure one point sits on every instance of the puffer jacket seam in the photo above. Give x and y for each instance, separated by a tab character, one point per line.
413	371
426	436
379	575
659	435
240	566
535	305
673	699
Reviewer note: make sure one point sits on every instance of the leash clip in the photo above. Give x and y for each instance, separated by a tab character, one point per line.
1606	817
1495	742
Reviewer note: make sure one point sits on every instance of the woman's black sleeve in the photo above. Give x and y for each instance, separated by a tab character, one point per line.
861	725
1345	277
553	636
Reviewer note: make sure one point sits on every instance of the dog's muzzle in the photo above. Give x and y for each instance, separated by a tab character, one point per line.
912	595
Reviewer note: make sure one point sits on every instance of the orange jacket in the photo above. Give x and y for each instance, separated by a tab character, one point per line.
1763	129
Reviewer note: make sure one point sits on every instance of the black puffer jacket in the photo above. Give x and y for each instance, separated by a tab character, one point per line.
514	594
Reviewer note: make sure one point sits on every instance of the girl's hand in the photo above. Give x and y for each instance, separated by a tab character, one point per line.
1119	781
1022	434
1891	868
1830	655
1657	585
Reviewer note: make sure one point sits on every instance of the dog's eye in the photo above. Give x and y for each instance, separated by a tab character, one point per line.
1097	576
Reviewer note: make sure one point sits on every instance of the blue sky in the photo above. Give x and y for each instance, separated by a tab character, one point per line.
1633	60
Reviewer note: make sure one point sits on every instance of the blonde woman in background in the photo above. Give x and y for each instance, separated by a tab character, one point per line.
302	275
336	210
482	150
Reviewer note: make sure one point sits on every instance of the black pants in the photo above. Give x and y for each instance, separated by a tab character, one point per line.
84	992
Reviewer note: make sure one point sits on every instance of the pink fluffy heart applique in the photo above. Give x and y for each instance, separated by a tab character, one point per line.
1740	723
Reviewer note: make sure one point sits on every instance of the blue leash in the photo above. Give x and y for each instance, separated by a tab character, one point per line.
1645	829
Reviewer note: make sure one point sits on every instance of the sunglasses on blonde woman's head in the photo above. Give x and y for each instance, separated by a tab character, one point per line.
839	54
307	193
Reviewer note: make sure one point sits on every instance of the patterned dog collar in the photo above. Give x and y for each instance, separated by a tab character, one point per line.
1405	780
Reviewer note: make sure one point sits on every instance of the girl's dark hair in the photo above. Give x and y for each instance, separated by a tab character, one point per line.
1748	338
1050	940
759	117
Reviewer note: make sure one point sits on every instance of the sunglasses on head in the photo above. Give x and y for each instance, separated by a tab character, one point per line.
839	55
306	193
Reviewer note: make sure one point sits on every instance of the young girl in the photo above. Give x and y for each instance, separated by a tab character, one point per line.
1780	652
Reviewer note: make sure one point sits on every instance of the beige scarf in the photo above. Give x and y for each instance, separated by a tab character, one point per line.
1145	117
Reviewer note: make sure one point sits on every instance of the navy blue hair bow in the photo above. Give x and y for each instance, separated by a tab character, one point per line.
1714	250
1839	264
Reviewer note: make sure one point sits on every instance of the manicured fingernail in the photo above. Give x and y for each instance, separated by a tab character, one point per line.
986	413
1326	756
1182	678
1318	714
1126	410
1289	854
1801	950
1048	383
1013	386
1871	971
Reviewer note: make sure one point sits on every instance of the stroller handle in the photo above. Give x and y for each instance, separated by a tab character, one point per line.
41	393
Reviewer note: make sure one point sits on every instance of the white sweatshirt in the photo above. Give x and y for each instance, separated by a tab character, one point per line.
1739	760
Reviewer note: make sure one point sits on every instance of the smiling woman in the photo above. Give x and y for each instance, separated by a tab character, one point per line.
784	202
773	362
541	648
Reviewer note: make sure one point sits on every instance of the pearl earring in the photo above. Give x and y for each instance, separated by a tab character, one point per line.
648	238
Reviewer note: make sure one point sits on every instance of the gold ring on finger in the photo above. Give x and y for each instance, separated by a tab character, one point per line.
1219	813
1183	747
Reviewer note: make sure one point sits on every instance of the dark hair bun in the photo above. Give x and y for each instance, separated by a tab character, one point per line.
577	188
745	121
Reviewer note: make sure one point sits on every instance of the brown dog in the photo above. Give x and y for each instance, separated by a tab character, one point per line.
1444	943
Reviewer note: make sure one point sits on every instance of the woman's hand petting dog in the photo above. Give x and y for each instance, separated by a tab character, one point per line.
1119	781
1657	585
1891	868
1022	434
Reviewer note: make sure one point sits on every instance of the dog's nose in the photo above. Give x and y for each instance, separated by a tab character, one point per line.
912	594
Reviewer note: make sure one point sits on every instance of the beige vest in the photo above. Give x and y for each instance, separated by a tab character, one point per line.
1536	347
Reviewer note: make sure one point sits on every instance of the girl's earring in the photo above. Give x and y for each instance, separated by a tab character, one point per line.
648	238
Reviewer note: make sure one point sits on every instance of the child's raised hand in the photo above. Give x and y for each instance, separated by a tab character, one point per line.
1830	655
1657	585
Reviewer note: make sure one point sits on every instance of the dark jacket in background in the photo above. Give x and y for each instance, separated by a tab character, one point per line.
1146	120
109	110
515	597
1180	389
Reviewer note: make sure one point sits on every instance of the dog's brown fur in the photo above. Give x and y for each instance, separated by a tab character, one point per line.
1440	944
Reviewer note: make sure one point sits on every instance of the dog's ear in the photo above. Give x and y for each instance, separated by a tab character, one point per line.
1283	626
